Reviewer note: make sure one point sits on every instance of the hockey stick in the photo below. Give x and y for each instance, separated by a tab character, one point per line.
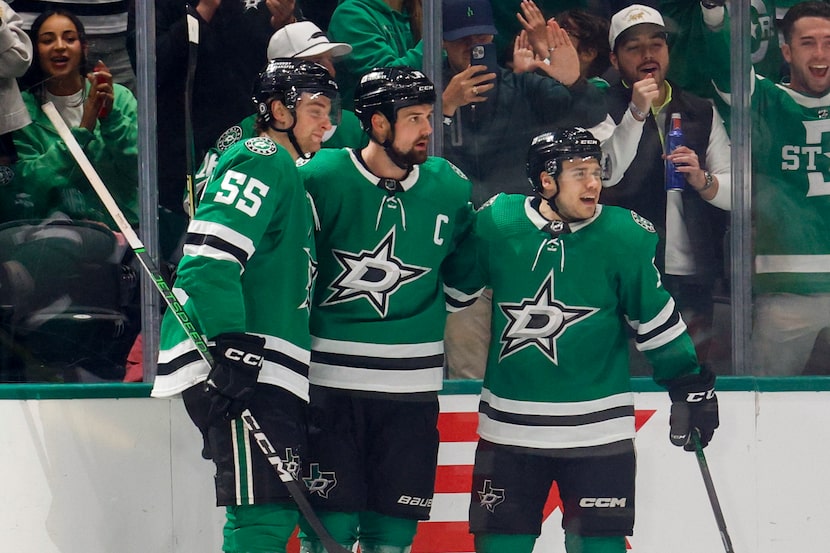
190	145
710	490
297	491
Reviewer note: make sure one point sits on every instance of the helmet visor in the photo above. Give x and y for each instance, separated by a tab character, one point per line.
313	97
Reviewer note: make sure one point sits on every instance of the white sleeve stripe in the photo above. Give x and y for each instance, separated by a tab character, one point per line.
224	233
212	253
659	320
664	337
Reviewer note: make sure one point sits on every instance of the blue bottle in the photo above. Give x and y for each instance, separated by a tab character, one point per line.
674	179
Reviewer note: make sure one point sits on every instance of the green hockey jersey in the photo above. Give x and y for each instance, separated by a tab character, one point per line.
557	370
388	261
249	265
790	181
685	21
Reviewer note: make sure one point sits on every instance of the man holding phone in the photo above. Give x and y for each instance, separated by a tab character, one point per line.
490	115
487	108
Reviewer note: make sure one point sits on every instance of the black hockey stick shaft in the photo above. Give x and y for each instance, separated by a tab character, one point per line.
297	491
192	20
713	496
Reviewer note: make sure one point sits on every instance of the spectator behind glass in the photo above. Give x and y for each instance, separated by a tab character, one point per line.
15	58
688	28
101	114
318	11
383	33
589	35
790	192
489	117
690	223
232	37
105	22
508	25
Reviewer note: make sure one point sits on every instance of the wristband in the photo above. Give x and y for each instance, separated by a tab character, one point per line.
638	114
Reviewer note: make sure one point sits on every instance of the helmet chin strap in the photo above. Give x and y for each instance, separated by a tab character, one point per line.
552	204
291	137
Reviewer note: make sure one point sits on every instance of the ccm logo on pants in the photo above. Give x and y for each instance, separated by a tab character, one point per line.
602	502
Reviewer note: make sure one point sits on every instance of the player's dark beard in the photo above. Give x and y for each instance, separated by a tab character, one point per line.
411	157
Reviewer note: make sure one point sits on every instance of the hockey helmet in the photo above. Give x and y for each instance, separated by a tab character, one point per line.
286	79
388	89
548	151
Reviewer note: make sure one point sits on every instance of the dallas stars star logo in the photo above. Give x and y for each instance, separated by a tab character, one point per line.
489	496
291	463
374	275
320	482
539	322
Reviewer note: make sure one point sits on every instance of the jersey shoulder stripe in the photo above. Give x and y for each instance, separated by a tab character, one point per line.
218	241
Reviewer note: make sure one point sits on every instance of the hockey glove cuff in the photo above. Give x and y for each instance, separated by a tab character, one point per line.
232	381
694	406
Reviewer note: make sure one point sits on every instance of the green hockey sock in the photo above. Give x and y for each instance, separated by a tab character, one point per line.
575	543
259	528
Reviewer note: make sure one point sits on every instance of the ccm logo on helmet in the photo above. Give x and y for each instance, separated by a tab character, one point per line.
694	397
248	358
602	502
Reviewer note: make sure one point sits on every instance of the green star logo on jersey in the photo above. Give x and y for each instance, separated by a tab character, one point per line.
538	322
374	275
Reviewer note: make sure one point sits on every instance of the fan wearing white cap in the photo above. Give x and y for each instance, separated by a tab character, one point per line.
691	222
302	40
305	40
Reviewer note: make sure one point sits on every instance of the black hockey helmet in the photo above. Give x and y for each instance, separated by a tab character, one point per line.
549	149
286	79
388	89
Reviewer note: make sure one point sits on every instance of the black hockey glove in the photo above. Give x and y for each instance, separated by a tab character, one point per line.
232	380
694	406
709	4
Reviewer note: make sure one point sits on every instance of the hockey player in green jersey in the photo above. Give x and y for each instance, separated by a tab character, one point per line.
790	189
569	276
245	281
391	220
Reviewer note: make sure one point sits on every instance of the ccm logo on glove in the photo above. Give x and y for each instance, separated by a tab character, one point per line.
248	358
694	408
695	397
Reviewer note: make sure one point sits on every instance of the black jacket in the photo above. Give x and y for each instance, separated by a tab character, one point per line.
642	188
488	141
